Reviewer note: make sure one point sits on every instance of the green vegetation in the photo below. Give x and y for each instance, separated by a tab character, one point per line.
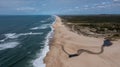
93	19
94	25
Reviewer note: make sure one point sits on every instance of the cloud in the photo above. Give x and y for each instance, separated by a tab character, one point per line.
106	5
10	4
26	9
77	7
116	0
101	6
86	6
44	4
55	6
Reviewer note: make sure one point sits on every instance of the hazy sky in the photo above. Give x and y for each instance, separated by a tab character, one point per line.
59	7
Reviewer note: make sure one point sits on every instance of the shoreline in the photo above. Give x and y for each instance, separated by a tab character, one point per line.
46	48
72	42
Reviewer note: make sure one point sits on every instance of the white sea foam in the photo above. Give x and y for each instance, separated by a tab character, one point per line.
11	35
43	21
39	61
7	45
30	33
14	35
35	28
3	40
47	20
43	26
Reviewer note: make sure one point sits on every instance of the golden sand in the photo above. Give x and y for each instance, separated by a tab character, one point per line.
56	57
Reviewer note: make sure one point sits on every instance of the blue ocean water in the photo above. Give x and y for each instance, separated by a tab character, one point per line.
24	40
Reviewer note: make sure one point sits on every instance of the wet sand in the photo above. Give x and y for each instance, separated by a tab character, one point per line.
72	42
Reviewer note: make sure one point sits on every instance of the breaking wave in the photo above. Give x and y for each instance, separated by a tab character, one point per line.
7	45
39	61
43	21
47	20
44	26
14	35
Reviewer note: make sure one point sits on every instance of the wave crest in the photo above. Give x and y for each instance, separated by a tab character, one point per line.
38	62
14	35
7	45
44	26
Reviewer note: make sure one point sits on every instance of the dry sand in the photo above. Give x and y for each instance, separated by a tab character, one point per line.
56	57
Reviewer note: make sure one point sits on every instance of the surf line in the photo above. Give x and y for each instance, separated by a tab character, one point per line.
39	62
106	43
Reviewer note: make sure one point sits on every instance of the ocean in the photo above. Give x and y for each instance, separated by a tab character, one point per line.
24	40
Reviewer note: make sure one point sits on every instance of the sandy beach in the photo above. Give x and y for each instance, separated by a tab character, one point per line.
72	42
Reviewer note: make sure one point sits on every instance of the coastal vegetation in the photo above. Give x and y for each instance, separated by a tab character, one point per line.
94	25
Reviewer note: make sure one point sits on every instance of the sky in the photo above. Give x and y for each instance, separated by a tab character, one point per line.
54	7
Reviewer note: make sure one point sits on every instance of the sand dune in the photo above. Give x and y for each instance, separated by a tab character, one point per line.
56	57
